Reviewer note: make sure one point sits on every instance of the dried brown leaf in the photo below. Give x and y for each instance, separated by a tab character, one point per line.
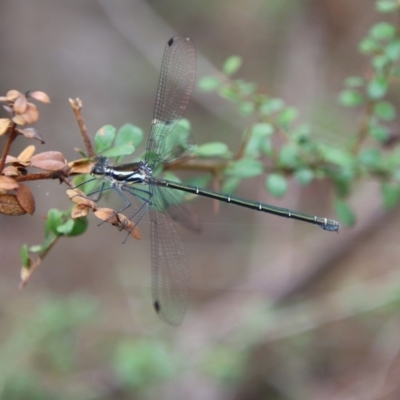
31	115
79	198
49	161
8	183
4	125
82	166
118	220
27	272
49	155
12	95
20	104
11	170
26	199
11	159
31	133
9	205
40	96
26	154
79	211
19	120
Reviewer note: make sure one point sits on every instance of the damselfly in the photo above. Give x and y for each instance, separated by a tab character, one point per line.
169	266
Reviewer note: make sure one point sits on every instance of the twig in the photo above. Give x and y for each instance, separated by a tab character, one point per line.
11	137
76	107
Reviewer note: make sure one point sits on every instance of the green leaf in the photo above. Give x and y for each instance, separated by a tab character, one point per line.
24	256
288	155
119	151
246	88
391	195
287	116
304	176
230	185
259	140
271	106
54	219
247	108
198	181
142	363
344	212
383	31
380	62
213	149
103	138
229	92
80	226
379	132
209	83
245	168
377	87
370	157
66	227
386	6
129	134
338	156
393	49
385	110
351	98
276	184
262	130
354	81
369	46
73	227
231	65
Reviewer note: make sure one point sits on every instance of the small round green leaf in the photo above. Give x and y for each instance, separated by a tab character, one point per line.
304	176
287	116
54	219
103	138
354	81
351	98
119	151
393	49
209	83
379	132
383	31
276	184
247	108
288	155
378	87
385	110
370	157
129	134
245	168
230	185
262	130
231	65
386	6
211	150
344	212
79	227
271	106
369	46
391	195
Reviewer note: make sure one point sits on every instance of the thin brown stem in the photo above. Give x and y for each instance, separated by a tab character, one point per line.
11	138
76	107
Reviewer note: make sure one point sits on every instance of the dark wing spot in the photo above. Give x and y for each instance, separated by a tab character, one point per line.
157	306
171	41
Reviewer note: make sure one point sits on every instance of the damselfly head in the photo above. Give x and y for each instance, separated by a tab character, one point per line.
99	168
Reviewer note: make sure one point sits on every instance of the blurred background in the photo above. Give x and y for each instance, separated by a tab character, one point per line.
278	309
